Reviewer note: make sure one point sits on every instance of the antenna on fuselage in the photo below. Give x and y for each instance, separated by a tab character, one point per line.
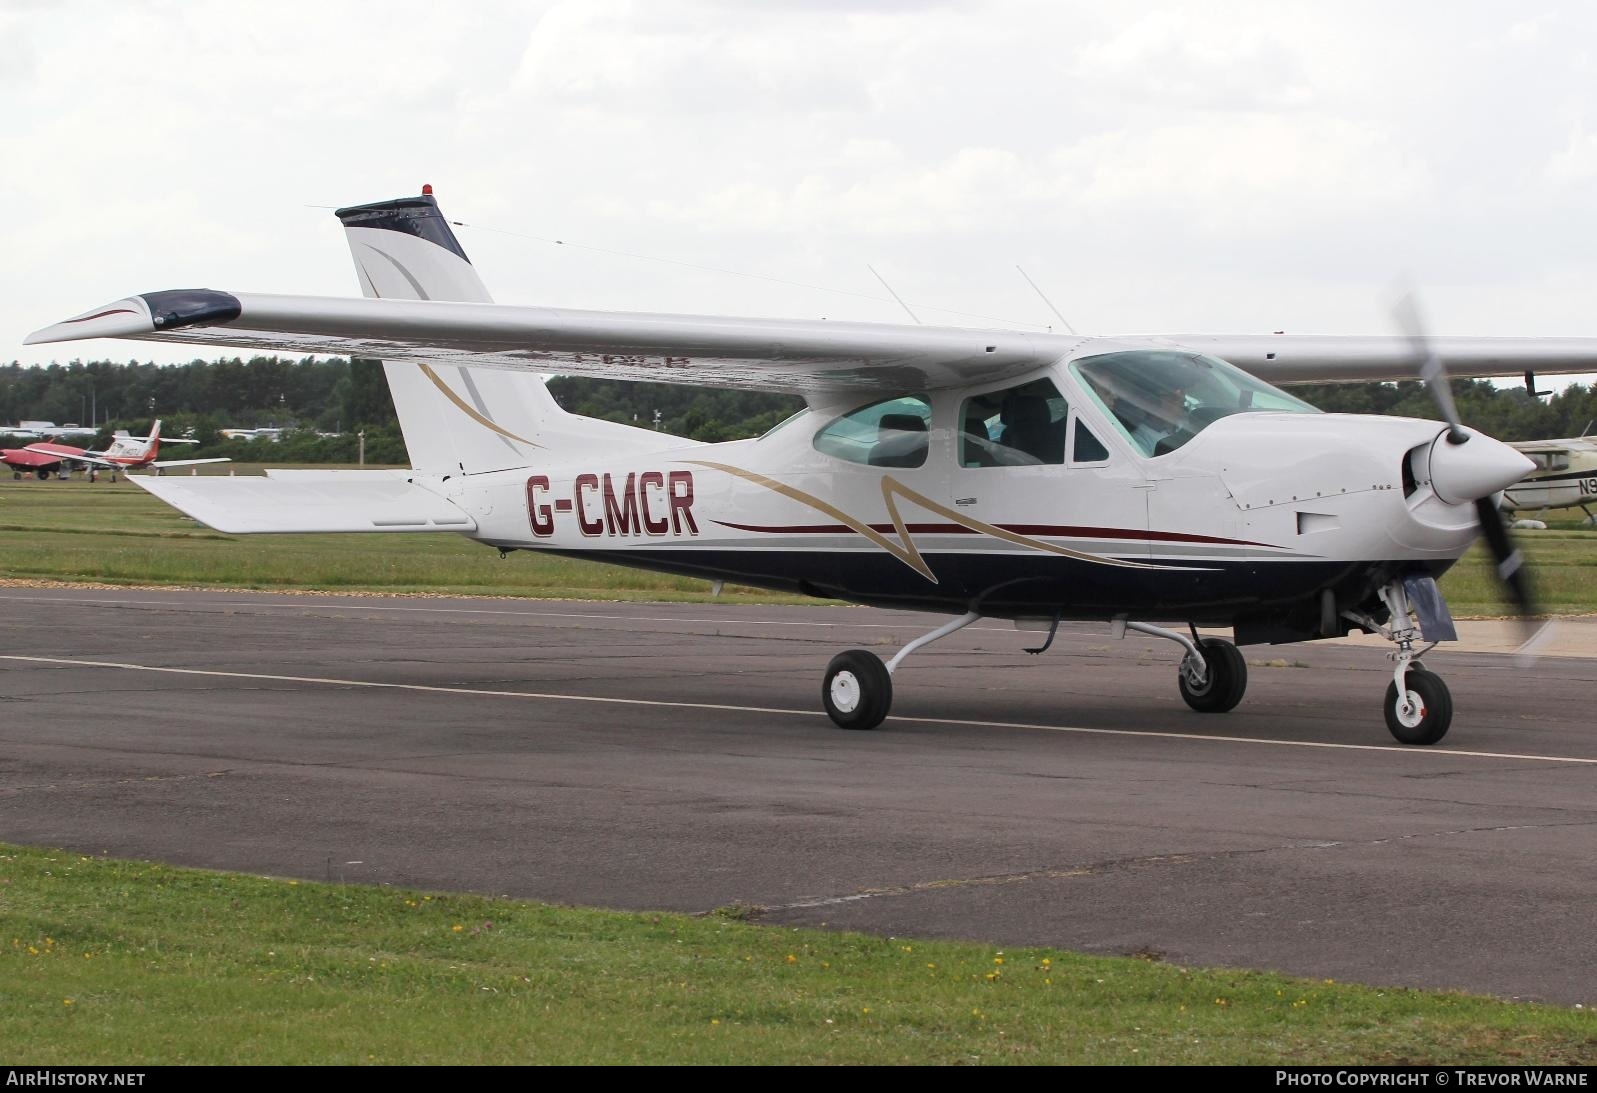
1045	299
893	294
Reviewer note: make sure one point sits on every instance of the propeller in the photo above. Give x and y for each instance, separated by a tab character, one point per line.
1509	559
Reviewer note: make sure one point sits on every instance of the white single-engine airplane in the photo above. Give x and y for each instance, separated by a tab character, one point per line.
978	473
1565	476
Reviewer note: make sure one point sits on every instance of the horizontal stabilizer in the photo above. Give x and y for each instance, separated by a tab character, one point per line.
361	501
164	463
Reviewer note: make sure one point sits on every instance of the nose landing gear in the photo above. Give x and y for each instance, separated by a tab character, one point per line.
1418	705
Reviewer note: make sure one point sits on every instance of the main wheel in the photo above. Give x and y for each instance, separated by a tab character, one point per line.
42	475
857	691
1225	678
1424	713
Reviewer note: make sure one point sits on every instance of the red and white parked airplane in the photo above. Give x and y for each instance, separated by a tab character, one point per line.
125	453
976	473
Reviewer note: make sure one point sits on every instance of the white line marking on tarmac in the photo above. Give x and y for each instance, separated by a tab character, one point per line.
959	722
468	611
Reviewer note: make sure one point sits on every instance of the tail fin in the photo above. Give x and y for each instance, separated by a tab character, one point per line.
136	447
458	419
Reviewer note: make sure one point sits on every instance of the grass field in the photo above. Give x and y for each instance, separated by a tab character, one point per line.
119	534
106	962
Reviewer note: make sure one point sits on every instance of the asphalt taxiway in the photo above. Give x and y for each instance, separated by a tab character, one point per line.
675	757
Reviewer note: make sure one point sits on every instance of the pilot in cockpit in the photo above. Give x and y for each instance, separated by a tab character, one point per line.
1165	416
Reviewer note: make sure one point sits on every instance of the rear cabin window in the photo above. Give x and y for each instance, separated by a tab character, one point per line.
891	433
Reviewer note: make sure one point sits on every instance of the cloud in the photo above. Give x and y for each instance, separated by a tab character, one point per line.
1241	165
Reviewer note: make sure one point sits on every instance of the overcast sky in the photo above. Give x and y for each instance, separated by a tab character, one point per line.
1224	167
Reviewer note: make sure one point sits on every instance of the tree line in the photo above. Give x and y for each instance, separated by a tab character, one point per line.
316	396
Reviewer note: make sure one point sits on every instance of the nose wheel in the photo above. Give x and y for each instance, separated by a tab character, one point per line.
1422	710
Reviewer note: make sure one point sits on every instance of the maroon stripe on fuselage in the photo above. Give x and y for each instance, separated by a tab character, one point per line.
1054	531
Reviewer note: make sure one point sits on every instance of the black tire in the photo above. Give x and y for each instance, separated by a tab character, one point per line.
857	691
42	475
1225	681
1435	715
16	475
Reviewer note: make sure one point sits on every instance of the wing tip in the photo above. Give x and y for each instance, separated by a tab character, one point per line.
146	313
121	318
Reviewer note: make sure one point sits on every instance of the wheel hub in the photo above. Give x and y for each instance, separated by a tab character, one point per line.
845	691
1411	711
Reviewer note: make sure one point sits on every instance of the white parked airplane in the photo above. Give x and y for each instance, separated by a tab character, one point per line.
1565	476
38	430
978	473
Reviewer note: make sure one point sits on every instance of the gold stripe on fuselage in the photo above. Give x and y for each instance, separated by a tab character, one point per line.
905	550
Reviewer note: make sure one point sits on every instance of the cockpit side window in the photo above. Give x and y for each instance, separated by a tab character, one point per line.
891	433
1160	399
1015	427
1085	446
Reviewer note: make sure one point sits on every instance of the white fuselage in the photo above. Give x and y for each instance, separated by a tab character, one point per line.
1256	508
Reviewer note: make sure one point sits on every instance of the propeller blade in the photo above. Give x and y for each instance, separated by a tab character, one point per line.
1430	367
1510	562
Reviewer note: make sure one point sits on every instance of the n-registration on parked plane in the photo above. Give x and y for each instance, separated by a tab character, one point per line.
977	473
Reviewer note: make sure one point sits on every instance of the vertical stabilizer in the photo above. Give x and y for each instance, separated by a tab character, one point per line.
457	419
137	447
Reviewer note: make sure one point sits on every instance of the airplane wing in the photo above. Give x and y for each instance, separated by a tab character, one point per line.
794	356
1334	358
372	501
165	463
1545	447
67	454
787	355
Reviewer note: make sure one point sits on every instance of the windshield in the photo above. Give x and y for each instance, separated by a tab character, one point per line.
1161	399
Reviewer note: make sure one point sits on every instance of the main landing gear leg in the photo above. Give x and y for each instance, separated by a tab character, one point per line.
858	689
1213	676
1418	705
